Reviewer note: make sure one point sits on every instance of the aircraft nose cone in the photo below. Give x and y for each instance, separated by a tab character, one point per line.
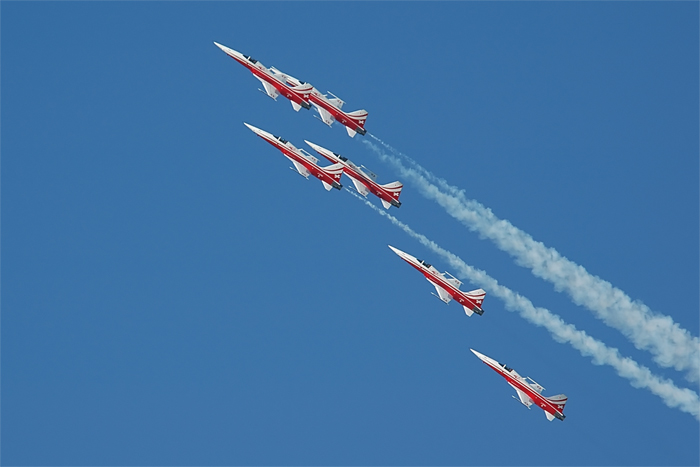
480	355
229	51
396	250
316	147
252	128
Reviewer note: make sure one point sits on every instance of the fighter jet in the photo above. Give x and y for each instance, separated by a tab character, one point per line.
329	107
447	287
529	392
364	180
273	83
304	163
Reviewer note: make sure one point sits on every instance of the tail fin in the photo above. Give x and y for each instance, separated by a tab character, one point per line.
359	117
305	90
394	188
477	296
559	401
334	171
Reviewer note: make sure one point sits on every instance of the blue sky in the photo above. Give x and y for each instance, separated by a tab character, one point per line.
174	295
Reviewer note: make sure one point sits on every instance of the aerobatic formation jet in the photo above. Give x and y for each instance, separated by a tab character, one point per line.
447	287
529	392
329	107
364	180
304	163
274	84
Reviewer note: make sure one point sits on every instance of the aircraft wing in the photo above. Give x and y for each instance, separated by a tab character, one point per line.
455	282
309	157
325	116
442	294
301	169
361	189
336	102
269	89
524	398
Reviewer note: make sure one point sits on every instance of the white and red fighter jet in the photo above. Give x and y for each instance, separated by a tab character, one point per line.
304	163
447	287
529	392
329	107
364	180
273	83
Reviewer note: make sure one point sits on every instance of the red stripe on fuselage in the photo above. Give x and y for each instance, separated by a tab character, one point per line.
314	169
281	87
374	188
456	294
339	116
536	397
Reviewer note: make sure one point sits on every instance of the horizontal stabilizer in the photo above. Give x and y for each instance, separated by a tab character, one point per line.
351	132
468	311
386	204
549	416
327	186
295	106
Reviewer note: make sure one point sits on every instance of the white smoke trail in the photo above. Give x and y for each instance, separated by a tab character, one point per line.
639	376
670	345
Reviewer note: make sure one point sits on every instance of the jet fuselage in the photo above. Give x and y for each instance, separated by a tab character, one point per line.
295	155
356	173
520	384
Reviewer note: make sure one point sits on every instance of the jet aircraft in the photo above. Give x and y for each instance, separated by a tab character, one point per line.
304	163
447	287
273	83
364	180
329	107
529	392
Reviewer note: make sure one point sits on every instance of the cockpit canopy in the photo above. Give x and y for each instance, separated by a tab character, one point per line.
423	263
505	367
342	158
281	140
250	59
